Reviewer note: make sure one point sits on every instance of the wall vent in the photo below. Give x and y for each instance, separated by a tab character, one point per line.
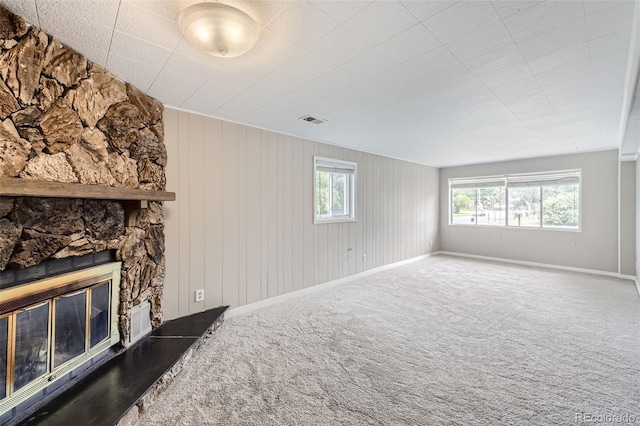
140	321
312	119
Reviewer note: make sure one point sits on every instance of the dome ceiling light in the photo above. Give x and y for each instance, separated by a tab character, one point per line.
218	29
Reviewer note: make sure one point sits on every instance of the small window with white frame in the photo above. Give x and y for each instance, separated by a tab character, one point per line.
334	192
549	200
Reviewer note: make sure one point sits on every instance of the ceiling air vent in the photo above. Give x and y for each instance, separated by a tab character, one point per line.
312	119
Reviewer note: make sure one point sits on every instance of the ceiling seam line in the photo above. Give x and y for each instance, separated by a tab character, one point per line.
593	76
173	50
538	82
490	89
113	30
257	81
505	25
35	3
536	79
272	72
483	84
430	16
276	15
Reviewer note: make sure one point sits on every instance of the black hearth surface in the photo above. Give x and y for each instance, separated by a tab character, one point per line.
109	392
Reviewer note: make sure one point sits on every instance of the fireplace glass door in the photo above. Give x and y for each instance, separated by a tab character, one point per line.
46	337
32	344
54	327
100	301
71	327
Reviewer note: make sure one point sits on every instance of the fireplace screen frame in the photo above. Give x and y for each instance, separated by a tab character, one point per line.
17	299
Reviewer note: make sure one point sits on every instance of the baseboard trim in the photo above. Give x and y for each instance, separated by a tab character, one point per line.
241	310
245	309
540	265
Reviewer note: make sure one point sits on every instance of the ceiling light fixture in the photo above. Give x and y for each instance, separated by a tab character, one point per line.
218	29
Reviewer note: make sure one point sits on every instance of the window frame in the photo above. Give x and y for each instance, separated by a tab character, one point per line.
339	164
505	179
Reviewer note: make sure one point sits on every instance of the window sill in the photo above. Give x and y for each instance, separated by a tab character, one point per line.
530	228
323	221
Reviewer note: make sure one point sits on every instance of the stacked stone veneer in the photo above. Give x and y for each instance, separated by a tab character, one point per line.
66	119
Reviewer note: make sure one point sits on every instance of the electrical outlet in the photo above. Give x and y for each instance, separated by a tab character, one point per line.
200	295
430	243
364	258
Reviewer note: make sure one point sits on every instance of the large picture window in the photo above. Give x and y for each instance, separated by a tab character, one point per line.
334	190
538	200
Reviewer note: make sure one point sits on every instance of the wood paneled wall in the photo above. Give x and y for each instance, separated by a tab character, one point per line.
242	226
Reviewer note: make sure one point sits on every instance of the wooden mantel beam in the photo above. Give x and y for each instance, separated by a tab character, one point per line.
17	187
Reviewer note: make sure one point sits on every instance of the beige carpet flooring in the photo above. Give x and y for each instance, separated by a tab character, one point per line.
443	341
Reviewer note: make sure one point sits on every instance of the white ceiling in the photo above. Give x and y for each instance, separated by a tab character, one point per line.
437	82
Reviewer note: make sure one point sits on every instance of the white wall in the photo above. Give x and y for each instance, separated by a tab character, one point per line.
242	226
637	191
628	218
594	247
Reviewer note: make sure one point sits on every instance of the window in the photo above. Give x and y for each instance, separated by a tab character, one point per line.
478	201
334	190
538	200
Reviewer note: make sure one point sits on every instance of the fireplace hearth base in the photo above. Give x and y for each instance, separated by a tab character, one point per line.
112	393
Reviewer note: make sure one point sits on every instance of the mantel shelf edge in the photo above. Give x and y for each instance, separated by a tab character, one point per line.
18	187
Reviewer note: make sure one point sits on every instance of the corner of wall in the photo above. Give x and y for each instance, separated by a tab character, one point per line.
637	219
627	212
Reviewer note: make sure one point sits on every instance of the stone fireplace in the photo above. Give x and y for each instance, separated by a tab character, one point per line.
82	163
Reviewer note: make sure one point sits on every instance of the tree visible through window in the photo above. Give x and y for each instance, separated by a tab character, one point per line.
334	190
524	205
542	200
560	205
